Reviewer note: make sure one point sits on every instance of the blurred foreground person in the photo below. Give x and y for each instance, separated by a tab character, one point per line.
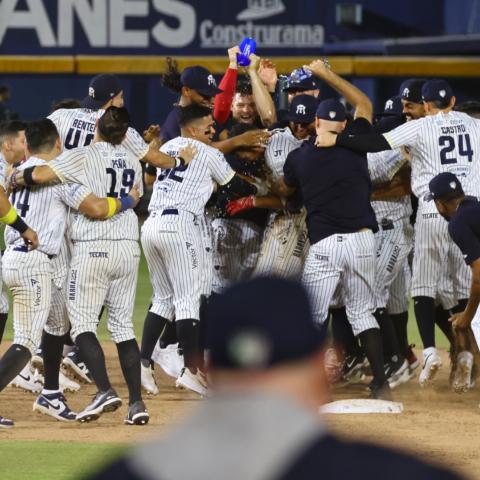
262	422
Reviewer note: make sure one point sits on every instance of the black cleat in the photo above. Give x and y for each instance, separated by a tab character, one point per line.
103	402
137	414
380	392
6	423
353	366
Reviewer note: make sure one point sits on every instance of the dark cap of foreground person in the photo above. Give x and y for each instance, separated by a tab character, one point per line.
262	421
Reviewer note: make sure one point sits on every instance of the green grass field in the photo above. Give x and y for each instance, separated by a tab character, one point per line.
60	461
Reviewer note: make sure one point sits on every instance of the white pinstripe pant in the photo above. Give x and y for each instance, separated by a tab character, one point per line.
4	307
58	322
172	246
103	273
435	255
399	290
236	249
348	259
393	247
285	246
205	226
29	277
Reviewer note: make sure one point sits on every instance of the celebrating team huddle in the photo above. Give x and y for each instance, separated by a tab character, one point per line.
239	188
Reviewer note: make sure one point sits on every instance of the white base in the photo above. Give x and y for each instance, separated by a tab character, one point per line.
356	405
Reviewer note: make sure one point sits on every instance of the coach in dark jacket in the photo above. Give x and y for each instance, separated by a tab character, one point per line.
262	421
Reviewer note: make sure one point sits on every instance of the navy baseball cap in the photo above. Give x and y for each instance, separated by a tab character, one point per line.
301	79
201	80
302	109
102	88
411	90
260	323
393	106
444	186
332	110
436	89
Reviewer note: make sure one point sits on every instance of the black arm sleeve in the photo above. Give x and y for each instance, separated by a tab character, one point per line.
238	187
371	142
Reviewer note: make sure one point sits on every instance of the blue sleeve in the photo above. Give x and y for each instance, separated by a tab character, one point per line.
289	175
464	237
171	128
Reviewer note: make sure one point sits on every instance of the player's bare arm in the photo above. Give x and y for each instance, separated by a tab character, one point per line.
161	160
354	96
464	319
261	96
252	138
271	202
38	175
398	186
107	207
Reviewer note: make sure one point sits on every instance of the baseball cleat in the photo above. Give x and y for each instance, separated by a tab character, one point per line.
413	361
463	372
397	373
27	380
137	414
431	365
6	422
37	361
148	380
192	381
380	392
67	385
103	402
55	405
169	360
75	366
352	370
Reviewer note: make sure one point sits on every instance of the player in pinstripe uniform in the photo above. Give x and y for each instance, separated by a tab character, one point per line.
171	237
335	187
106	255
442	141
76	128
30	274
10	359
285	243
12	151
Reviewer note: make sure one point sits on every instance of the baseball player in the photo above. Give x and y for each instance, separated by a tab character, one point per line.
12	152
29	274
335	188
171	237
237	240
285	242
10	360
443	141
105	256
462	214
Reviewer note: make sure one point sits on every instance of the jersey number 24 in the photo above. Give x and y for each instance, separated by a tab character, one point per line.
448	144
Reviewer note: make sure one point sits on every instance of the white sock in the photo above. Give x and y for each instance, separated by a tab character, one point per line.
49	392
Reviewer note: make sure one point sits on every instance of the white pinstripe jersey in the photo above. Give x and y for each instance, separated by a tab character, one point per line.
382	167
282	142
3	170
76	127
45	210
189	187
108	171
445	142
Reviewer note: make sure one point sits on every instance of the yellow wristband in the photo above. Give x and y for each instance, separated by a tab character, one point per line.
10	217
112	207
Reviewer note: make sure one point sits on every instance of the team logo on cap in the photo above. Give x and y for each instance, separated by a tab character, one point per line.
453	185
249	349
332	114
301	110
211	80
389	105
91	92
406	92
442	93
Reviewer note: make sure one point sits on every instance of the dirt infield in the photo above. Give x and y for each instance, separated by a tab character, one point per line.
437	424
